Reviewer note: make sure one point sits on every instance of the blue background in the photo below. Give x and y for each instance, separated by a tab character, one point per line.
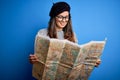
92	20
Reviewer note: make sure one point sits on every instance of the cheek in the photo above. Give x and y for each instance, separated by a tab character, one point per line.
57	23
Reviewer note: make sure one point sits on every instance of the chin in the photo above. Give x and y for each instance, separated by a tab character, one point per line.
62	26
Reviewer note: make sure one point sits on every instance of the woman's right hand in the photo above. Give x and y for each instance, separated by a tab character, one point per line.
33	58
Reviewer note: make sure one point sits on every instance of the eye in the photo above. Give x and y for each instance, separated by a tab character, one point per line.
60	18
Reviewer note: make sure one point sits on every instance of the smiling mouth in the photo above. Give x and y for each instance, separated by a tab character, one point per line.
62	23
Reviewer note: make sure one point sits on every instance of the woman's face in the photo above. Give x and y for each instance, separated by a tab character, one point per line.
62	19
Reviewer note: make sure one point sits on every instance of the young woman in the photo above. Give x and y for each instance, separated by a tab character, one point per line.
60	26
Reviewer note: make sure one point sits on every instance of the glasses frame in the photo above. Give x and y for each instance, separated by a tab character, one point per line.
62	18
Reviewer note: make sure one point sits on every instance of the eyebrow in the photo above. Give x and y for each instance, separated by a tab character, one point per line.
64	16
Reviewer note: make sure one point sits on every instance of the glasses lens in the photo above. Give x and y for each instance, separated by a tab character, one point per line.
61	18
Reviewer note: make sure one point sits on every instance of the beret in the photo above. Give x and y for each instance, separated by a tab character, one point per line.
58	8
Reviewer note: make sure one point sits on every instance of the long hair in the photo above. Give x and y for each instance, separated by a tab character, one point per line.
68	32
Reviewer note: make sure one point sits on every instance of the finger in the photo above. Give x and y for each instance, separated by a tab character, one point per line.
33	56
30	56
34	61
96	65
98	61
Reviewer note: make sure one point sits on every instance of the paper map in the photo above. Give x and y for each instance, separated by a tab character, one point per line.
65	60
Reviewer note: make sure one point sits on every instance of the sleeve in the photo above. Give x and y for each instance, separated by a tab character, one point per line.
42	32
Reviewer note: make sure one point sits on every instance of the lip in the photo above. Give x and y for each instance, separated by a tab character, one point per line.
62	23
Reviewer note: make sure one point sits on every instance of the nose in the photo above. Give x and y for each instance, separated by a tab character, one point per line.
64	20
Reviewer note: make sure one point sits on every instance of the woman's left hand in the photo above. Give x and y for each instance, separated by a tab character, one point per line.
98	62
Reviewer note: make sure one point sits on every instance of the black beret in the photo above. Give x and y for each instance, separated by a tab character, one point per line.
58	8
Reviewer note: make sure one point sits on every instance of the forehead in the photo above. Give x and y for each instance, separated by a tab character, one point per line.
65	13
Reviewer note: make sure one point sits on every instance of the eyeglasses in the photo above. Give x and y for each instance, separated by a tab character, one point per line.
62	18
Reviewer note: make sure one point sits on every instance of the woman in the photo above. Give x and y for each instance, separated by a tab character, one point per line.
59	26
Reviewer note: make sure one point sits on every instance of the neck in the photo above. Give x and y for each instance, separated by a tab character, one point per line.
59	29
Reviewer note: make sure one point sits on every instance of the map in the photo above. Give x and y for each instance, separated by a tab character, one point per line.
65	60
